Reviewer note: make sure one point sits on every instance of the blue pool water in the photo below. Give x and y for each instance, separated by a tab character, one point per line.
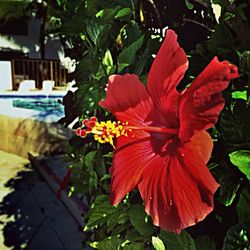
41	103
40	107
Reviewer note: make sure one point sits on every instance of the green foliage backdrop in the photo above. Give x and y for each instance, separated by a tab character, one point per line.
107	37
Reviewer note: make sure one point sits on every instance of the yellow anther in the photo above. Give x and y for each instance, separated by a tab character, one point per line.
107	131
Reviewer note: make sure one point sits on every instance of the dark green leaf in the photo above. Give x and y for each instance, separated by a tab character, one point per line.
241	9
112	221
221	41
106	177
237	238
243	206
133	236
228	15
142	61
127	55
130	33
107	14
89	158
230	126
204	243
134	246
234	121
123	218
121	228
94	30
99	211
87	97
175	241
241	159
229	179
137	217
245	61
111	243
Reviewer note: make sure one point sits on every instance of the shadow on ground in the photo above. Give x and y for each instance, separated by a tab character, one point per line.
33	218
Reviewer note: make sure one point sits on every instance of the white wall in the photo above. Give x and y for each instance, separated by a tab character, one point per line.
30	44
5	75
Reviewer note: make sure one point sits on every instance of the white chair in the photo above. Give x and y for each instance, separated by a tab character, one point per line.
48	85
27	85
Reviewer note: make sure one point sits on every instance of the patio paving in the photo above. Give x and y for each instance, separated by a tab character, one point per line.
31	216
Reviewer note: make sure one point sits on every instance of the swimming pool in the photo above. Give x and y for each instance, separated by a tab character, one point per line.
36	106
39	103
28	122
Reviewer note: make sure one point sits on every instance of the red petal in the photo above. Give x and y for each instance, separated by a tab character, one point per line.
202	103
128	163
202	144
178	189
127	99
166	72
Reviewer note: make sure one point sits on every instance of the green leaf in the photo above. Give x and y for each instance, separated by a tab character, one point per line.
204	243
111	243
143	59
94	30
107	14
130	33
89	159
121	228
107	59
157	243
105	177
133	236
112	221
237	237
99	211
241	9
234	123
108	62
182	241
240	95
221	41
126	57
122	66
241	159
228	15
244	60
137	217
229	179
243	206
189	5
134	246
125	12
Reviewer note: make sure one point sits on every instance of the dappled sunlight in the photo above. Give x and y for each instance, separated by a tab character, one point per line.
31	213
10	167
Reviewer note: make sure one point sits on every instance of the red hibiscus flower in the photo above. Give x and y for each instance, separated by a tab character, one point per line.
164	148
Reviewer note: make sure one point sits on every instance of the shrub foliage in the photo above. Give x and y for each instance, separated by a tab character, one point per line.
115	36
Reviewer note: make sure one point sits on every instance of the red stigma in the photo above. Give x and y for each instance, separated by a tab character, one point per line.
78	131
92	124
85	122
93	119
83	133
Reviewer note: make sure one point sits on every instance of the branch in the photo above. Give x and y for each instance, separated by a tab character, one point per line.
200	24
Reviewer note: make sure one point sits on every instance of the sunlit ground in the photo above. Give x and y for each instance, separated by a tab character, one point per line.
31	214
10	165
